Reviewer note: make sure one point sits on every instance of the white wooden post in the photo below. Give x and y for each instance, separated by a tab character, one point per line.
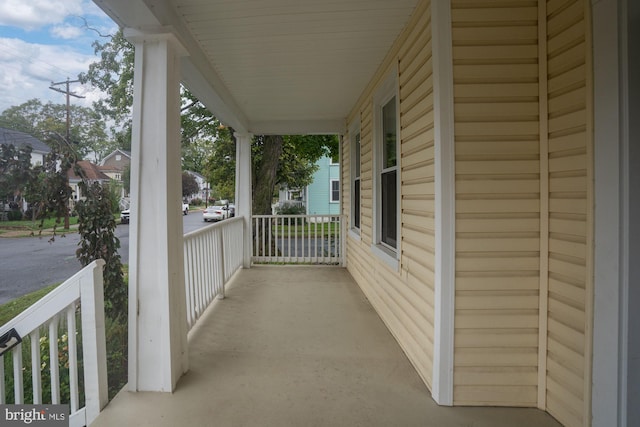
442	390
94	349
157	302
243	191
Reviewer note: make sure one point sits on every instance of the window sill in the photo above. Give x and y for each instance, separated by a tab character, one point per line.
354	233
387	255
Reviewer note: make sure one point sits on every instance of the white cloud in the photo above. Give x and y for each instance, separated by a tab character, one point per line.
31	14
66	32
27	70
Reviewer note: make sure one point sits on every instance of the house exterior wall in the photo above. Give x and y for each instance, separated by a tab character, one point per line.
112	161
403	297
319	191
497	183
523	204
570	237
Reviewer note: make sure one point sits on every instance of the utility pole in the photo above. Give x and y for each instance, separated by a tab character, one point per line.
68	94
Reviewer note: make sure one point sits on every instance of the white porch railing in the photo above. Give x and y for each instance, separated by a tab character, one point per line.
297	239
212	255
39	327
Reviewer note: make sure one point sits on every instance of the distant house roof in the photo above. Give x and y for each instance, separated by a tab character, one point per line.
195	174
21	139
92	172
117	151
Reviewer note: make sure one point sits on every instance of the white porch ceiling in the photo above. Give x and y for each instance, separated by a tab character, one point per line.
274	66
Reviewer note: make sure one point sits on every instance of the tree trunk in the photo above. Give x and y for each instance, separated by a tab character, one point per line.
265	175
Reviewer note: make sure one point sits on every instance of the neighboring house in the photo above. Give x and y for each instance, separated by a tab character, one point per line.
114	164
321	197
20	139
203	186
323	194
92	173
490	180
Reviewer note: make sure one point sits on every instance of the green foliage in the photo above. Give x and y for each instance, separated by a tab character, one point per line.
114	191
50	191
294	166
290	209
126	178
219	169
113	74
62	345
117	354
88	130
117	347
16	174
97	240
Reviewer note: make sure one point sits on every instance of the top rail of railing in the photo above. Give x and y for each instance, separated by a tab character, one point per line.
298	239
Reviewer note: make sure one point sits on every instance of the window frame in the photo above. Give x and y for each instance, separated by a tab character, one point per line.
355	138
387	91
331	199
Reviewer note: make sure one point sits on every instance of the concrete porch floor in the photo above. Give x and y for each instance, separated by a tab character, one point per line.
299	346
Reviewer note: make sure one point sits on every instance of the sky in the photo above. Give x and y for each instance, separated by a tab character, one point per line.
44	41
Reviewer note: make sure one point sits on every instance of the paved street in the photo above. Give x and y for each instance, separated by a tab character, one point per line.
30	263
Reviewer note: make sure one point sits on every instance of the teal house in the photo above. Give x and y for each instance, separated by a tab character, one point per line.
323	194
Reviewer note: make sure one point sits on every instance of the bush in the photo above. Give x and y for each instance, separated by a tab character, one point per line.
196	202
290	209
14	215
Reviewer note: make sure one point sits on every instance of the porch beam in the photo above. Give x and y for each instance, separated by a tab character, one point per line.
244	207
157	312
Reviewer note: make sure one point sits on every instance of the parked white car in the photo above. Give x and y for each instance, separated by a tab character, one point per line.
215	213
125	214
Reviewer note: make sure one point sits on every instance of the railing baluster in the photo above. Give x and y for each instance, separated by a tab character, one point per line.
73	358
18	385
54	362
187	281
2	380
36	378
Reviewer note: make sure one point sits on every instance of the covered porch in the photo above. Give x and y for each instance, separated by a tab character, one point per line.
299	345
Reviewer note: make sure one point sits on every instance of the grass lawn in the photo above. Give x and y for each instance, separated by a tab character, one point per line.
11	309
35	225
320	229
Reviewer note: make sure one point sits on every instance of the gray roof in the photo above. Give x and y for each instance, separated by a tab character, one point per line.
21	139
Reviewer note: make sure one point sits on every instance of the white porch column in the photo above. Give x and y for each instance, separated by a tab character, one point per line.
157	312
445	199
244	205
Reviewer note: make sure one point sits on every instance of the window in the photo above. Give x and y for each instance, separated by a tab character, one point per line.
389	208
118	157
386	179
355	177
335	190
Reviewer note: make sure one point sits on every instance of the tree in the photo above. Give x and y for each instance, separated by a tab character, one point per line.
276	160
219	168
189	185
113	74
98	241
50	193
88	130
16	173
